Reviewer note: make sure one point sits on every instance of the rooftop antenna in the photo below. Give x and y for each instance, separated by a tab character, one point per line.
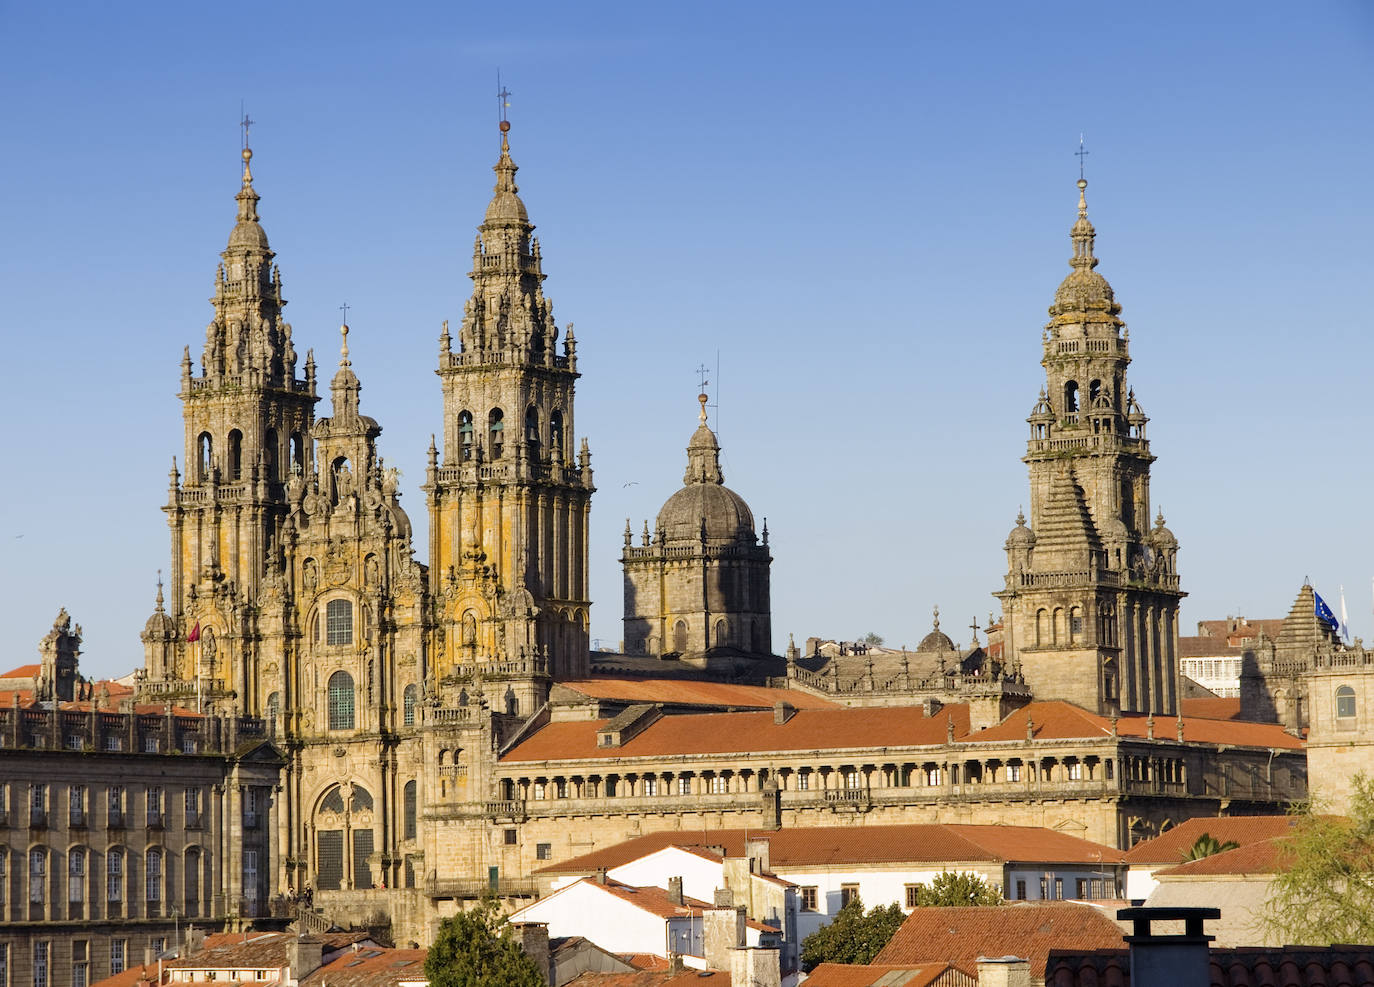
1080	154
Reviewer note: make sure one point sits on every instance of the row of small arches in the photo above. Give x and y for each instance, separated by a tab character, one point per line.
84	870
234	464
532	435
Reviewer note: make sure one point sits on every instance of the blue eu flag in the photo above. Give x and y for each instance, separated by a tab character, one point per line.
1324	613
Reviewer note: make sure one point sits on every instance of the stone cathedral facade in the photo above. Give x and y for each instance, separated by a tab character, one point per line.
1090	605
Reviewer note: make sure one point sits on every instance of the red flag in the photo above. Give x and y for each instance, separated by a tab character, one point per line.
194	635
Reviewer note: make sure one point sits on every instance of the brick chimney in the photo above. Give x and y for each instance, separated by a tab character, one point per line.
755	966
1159	960
675	890
1003	971
533	938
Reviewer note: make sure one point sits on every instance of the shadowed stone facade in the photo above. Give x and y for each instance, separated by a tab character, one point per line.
1090	606
699	590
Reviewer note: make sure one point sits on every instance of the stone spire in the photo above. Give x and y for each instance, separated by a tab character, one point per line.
345	387
1084	295
703	453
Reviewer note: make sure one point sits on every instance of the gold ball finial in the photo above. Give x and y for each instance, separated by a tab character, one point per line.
505	126
247	154
703	399
1082	184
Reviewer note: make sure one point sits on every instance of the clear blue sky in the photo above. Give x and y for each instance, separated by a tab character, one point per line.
864	208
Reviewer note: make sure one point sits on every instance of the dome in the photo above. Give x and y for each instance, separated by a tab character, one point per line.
1021	536
248	234
506	207
1084	291
936	640
1162	537
723	512
159	627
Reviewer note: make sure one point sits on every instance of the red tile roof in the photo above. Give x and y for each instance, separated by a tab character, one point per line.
685	692
645	961
727	733
824	845
1065	721
23	672
1264	857
1208	708
959	936
656	978
1169	847
370	968
845	975
1290	966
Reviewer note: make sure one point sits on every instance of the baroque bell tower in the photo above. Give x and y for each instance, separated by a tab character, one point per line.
247	421
1090	605
509	502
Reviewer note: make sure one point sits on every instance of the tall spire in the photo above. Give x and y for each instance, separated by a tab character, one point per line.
703	452
1084	296
344	388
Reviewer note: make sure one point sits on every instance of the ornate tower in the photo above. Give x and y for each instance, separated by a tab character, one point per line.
1091	599
700	589
509	503
247	422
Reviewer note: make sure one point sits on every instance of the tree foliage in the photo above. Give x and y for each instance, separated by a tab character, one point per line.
852	937
873	639
950	888
1324	891
478	947
1208	845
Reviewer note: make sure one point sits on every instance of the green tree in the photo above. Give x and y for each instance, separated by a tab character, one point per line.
478	947
852	937
875	640
1208	845
956	888
1324	891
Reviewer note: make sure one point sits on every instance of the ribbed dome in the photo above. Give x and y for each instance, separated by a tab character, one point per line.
248	234
159	626
505	206
1021	536
936	640
723	513
1162	537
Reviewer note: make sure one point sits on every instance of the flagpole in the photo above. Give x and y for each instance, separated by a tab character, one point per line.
1345	619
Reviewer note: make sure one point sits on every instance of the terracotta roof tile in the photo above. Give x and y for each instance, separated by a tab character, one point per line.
1169	847
822	845
1208	708
846	975
687	692
22	672
131	976
656	978
645	961
726	733
1064	721
958	936
1289	966
370	968
1263	857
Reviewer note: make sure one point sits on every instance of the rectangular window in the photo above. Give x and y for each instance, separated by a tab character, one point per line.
114	802
718	785
114	877
118	949
508	837
38	876
1097	888
159	945
4	964
852	779
1082	888
1020	890
76	875
38	804
154	806
537	790
250	807
1058	889
76	805
913	894
1075	770
250	874
684	785
1013	772
808	899
80	969
410	808
75	741
803	781
114	742
339	622
650	785
153	875
42	951
561	788
848	892
932	776
1044	888
192	806
543	851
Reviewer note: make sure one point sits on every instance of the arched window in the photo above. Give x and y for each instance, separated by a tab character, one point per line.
235	454
496	426
297	453
1345	702
340	478
338	619
1094	392
153	876
76	876
205	455
114	876
408	699
532	431
1071	396
1042	628
680	636
556	433
465	434
274	706
341	701
410	810
721	633
269	455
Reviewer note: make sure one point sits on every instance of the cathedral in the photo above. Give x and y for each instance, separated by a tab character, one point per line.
443	724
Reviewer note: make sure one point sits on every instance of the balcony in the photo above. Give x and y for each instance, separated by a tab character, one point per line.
507	809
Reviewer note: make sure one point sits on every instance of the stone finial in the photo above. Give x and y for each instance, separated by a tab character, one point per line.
1030	728
629	536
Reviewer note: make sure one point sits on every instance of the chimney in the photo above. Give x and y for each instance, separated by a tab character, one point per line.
782	712
533	938
755	966
304	955
195	939
675	964
723	931
675	890
771	804
1003	971
757	851
600	875
1159	960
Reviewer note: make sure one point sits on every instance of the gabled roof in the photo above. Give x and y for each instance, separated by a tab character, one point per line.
1290	966
655	978
727	733
1169	847
824	846
370	968
1058	720
22	672
959	936
686	692
256	950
